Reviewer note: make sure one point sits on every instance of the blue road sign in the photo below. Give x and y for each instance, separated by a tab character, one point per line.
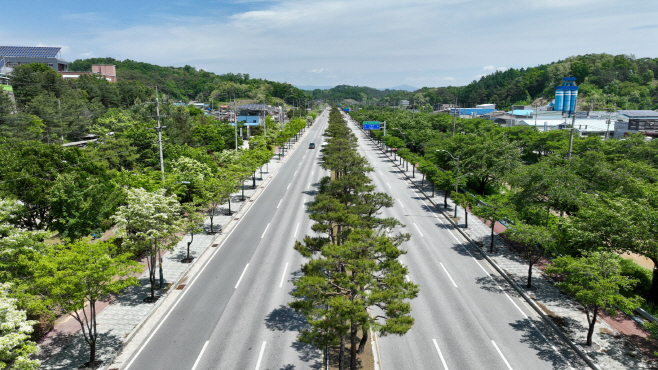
371	125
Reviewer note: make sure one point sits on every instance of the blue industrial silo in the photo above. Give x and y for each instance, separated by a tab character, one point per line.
559	98
566	96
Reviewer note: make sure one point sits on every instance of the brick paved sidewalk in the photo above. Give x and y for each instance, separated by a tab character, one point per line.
610	349
65	348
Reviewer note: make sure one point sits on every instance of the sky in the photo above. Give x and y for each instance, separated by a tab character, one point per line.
326	43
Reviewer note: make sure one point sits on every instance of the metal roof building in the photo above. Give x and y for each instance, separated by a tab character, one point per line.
13	56
638	114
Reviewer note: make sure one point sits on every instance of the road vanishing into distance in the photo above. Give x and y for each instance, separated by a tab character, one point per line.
234	314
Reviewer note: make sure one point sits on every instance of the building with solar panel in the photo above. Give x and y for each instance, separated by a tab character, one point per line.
252	114
13	56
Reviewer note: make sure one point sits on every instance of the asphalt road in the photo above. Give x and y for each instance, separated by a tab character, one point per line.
234	315
466	316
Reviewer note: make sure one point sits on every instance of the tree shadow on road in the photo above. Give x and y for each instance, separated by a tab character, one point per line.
530	335
285	319
74	351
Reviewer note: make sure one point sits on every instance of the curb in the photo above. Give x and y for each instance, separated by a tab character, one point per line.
529	300
137	327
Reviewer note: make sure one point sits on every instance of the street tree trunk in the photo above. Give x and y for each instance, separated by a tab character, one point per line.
529	285
364	340
211	214
353	339
92	354
491	248
341	354
151	266
592	322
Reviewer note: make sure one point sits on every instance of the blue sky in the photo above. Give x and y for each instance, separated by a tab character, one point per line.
378	43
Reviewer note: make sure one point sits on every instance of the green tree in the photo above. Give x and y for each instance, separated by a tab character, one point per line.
334	301
81	273
536	241
596	282
496	208
15	346
20	250
149	223
81	204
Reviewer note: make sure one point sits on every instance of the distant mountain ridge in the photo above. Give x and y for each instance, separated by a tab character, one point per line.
311	87
403	87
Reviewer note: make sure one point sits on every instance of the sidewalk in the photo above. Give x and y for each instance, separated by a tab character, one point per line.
117	322
610	351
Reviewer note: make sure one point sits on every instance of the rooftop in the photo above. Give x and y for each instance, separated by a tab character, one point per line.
638	113
253	106
29	51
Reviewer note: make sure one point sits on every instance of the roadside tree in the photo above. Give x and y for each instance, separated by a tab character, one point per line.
496	208
596	282
149	223
536	241
81	273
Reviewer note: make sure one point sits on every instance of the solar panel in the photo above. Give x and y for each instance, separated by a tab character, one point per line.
253	106
29	51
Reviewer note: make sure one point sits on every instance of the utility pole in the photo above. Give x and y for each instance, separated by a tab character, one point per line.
607	132
159	129
235	119
573	123
454	119
157	113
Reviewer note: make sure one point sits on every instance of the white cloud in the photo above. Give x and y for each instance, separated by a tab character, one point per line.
353	41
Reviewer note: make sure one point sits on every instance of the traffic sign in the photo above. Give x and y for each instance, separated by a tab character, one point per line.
371	125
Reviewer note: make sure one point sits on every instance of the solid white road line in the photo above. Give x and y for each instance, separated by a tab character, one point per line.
514	303
188	286
260	357
297	228
401	203
417	228
283	277
308	186
200	354
241	275
447	273
277	206
268	225
389	185
501	355
289	186
380	172
294	174
443	361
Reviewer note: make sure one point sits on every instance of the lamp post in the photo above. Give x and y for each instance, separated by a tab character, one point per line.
456	160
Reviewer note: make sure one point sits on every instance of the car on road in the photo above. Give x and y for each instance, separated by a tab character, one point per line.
311	146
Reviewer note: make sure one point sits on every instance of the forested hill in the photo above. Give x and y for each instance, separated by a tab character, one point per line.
358	93
184	83
607	80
